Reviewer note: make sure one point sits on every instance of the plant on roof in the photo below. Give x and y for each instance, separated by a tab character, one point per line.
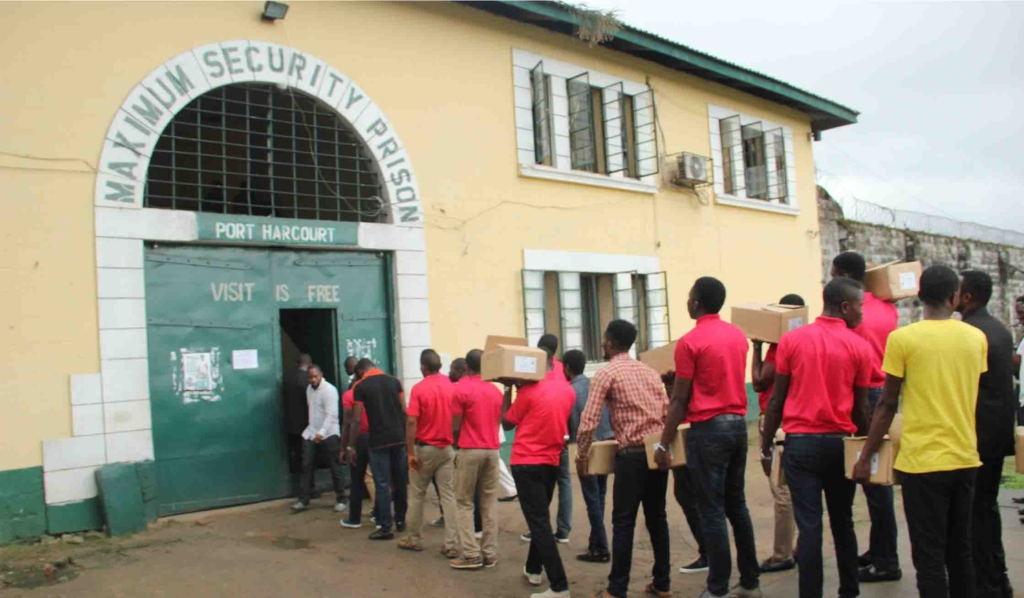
594	25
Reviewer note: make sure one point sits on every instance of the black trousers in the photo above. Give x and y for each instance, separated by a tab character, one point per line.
987	532
536	485
357	494
331	445
686	496
938	507
636	484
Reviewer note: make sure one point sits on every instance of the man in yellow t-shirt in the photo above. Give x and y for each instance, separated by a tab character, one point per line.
936	363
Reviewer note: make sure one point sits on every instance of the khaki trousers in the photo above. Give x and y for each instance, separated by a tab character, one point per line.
472	467
439	464
785	524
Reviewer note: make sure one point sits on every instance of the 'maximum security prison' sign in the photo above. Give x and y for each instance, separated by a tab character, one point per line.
274	231
164	92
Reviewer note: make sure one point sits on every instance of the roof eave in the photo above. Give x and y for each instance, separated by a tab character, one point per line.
824	114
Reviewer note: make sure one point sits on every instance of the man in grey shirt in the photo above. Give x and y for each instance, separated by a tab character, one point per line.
594	487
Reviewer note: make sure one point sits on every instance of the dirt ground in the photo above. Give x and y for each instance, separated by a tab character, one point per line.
263	550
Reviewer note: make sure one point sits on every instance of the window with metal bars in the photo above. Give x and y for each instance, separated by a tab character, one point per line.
258	150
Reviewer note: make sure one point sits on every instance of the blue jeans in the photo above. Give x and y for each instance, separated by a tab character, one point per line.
595	488
564	519
882	542
815	463
716	455
389	467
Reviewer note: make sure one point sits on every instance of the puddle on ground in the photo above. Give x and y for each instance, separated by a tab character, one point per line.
290	543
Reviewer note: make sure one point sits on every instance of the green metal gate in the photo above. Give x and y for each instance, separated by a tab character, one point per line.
214	359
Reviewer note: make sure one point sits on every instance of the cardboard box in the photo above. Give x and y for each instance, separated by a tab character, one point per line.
881	462
676	452
511	357
895	433
662	359
768	321
601	457
1020	449
893	281
778	473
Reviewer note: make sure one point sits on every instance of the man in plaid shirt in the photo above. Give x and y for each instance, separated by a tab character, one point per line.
637	401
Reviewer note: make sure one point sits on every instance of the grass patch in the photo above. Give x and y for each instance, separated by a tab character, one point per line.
1011	479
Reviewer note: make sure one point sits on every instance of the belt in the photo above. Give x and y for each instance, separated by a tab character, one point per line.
421	443
725	417
816	435
631	450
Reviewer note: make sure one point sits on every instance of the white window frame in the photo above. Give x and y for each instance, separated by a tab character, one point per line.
559	72
792	205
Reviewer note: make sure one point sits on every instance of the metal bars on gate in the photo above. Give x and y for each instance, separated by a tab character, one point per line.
254	149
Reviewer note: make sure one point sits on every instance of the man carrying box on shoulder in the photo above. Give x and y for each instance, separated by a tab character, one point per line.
637	403
762	376
881	562
710	393
820	396
936	363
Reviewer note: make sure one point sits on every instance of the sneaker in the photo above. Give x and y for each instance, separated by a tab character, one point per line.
478	535
464	563
525	537
488	563
742	592
870	574
549	593
770	566
533	579
698	566
400	526
340	507
509	498
594	557
299	507
438	522
381	535
562	538
351	524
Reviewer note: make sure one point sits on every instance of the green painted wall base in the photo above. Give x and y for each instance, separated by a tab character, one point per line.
74	517
22	506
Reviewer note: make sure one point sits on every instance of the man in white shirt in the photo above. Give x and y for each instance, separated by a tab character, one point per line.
322	434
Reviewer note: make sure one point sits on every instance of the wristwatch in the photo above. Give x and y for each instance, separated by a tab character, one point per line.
660	447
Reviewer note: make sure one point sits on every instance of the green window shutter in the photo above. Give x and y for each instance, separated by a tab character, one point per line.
542	137
732	155
570	303
646	133
656	310
533	304
582	143
615	139
755	171
775	161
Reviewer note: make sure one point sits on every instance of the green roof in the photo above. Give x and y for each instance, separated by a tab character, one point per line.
558	17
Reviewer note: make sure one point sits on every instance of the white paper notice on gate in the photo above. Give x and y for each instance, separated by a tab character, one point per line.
245	359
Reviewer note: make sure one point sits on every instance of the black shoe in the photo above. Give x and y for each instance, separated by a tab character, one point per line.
1018	501
770	566
696	566
871	575
864	560
508	498
382	535
400	526
594	557
562	538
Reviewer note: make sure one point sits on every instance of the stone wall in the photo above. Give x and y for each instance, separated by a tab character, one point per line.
879	244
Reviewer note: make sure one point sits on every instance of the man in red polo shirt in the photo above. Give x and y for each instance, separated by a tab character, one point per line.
762	378
429	446
477	411
881	562
540	416
710	393
820	396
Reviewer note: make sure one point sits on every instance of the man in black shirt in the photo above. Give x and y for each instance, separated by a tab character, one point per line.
296	411
381	396
995	425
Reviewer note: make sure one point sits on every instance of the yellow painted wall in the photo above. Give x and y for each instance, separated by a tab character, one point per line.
443	76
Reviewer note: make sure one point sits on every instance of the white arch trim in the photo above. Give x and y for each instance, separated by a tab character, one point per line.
110	410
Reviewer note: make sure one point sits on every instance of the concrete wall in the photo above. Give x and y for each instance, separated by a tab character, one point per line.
880	244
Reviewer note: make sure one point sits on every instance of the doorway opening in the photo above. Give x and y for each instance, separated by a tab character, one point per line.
312	332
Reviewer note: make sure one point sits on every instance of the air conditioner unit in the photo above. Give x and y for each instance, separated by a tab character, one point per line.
693	168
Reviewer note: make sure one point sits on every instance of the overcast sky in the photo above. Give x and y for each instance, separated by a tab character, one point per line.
936	84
